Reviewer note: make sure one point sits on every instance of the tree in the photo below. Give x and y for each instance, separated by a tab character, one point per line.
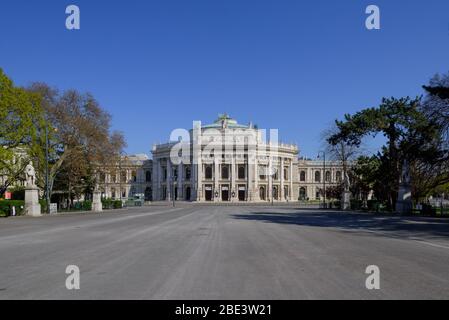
433	173
80	139
341	151
21	119
409	135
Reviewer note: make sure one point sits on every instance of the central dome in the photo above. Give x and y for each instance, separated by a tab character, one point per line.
225	121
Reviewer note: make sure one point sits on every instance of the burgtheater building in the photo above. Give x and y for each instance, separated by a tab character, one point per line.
221	162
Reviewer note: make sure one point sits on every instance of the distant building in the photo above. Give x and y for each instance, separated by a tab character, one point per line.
242	167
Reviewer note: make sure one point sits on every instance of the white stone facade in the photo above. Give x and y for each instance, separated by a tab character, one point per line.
225	162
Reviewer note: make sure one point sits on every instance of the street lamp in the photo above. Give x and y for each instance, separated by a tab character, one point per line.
47	185
324	176
174	182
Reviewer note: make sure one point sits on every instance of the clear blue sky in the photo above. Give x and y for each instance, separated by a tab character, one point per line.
292	65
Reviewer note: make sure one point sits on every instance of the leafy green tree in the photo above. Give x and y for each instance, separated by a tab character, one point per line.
80	139
21	119
408	131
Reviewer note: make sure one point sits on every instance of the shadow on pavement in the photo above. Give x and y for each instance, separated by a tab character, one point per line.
395	226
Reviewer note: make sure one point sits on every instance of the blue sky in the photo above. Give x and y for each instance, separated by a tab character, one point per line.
291	65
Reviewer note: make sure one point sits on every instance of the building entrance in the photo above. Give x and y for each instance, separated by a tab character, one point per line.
224	193
242	193
208	193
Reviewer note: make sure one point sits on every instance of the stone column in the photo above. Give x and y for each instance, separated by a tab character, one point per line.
270	179
180	182
216	179
234	172
256	180
168	181
197	177
157	181
281	192
251	174
291	181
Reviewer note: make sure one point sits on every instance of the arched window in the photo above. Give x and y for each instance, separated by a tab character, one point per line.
318	193
188	194
275	193
328	176
148	194
208	172
262	193
123	177
338	176
317	176
148	176
302	176
241	172
224	172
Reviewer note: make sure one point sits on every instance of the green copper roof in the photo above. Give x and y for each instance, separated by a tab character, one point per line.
224	120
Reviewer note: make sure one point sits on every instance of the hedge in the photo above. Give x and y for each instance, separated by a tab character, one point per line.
6	207
111	204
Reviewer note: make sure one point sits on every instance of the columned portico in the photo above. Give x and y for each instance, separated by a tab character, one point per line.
260	171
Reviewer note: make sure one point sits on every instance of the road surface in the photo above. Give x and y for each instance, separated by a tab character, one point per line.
224	252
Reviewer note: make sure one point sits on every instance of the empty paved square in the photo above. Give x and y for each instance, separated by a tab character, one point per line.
223	252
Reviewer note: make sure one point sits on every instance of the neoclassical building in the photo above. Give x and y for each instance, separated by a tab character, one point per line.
221	162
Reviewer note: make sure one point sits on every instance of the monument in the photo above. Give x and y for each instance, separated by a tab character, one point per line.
346	196
404	202
32	206
97	206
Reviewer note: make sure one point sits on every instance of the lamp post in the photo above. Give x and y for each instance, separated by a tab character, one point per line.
47	173
324	176
174	178
47	193
272	174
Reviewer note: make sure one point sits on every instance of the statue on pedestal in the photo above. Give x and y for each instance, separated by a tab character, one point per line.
32	206
404	202
97	205
30	175
346	196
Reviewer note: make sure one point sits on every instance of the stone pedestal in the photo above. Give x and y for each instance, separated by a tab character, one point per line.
32	206
404	202
97	206
346	200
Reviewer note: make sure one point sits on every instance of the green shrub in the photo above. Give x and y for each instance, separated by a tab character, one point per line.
111	204
356	204
43	204
6	207
86	205
118	204
373	205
